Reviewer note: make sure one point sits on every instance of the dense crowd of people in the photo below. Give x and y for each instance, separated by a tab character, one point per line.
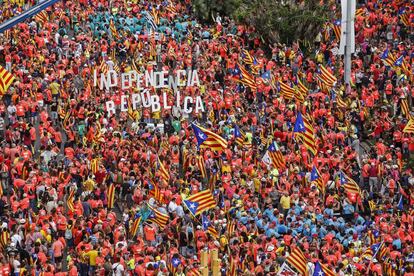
61	154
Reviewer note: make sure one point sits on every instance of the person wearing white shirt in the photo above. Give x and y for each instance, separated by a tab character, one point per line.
118	269
180	211
172	206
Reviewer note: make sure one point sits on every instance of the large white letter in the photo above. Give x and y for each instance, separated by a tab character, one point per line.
194	79
125	81
146	102
178	99
186	100
139	80
124	103
199	105
165	82
110	108
95	79
149	79
135	99
165	100
172	84
155	102
105	81
113	77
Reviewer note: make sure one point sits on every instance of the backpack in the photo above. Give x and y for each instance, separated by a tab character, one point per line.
68	234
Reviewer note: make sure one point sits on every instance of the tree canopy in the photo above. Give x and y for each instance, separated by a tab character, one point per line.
276	21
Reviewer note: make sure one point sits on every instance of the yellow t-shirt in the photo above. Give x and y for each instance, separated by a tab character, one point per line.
92	256
54	87
89	184
285	202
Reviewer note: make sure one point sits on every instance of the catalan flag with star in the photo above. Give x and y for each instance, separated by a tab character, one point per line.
316	179
349	184
208	227
322	270
388	58
157	217
200	202
275	155
303	129
208	139
154	191
336	26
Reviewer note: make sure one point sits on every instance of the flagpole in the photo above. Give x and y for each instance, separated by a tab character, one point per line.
349	42
373	257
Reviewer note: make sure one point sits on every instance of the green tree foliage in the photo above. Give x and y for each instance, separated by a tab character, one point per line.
277	21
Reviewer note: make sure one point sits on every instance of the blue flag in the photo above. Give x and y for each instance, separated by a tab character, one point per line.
237	132
318	270
314	174
400	205
199	134
205	222
299	124
385	54
266	75
175	262
399	61
236	71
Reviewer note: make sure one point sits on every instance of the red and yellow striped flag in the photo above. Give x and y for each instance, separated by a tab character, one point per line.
155	15
163	172
303	89
134	227
247	79
42	17
95	165
70	200
409	128
112	27
304	130
111	196
298	260
158	217
6	79
233	266
286	91
4	238
327	77
202	166
404	108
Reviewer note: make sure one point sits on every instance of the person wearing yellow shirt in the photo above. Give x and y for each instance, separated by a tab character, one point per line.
285	203
89	184
54	88
92	255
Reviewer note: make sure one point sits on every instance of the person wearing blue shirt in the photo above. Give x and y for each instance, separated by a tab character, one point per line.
268	211
281	228
329	212
259	222
397	244
348	209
